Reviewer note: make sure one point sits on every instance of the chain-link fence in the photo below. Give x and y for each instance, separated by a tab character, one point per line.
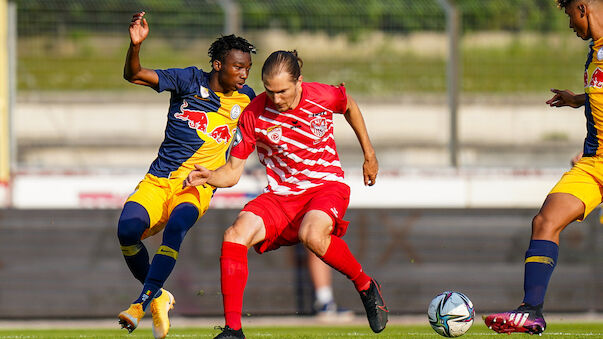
391	54
376	47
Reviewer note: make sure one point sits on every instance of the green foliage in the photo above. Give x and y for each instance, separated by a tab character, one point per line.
193	17
184	18
512	15
343	16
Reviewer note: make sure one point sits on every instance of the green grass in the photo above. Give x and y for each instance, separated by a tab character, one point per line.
569	330
518	67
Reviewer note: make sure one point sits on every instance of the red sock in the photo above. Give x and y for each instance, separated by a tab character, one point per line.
233	267
339	257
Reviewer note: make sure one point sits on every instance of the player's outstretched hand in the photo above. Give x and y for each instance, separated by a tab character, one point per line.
139	29
564	98
196	177
370	169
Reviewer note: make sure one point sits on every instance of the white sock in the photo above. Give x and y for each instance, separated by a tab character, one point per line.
324	295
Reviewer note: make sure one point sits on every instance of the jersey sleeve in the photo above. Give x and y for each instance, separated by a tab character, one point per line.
339	98
177	80
244	143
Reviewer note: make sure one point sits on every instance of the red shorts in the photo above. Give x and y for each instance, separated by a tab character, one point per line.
282	214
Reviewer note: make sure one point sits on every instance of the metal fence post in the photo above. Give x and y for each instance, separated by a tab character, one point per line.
232	16
5	156
453	73
12	90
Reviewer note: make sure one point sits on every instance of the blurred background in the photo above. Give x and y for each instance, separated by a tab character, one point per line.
453	96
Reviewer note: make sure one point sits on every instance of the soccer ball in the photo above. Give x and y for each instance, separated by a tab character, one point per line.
451	314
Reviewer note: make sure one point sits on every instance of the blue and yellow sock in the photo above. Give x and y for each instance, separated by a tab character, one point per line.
161	267
133	221
541	259
137	259
181	219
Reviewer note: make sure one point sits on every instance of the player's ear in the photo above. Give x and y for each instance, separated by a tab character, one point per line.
582	9
216	65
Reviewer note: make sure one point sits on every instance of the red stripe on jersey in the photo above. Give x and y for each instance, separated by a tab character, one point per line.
297	146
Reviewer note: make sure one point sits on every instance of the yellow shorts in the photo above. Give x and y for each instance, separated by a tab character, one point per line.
159	196
584	181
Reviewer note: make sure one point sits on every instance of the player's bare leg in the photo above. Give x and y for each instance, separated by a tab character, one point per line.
315	233
558	211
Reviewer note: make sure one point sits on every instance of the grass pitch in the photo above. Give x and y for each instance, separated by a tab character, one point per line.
564	330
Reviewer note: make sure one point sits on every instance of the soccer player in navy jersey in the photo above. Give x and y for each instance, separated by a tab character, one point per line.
291	126
202	117
578	191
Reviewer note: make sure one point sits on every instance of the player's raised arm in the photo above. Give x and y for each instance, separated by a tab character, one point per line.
566	98
225	176
355	119
133	71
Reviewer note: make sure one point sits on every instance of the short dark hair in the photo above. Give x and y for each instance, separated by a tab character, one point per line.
288	61
220	48
563	3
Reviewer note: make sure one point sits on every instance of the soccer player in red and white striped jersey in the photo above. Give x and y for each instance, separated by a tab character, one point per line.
291	126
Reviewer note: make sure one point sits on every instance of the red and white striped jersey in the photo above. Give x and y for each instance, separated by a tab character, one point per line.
297	146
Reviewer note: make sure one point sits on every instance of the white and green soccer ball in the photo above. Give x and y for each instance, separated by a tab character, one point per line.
451	314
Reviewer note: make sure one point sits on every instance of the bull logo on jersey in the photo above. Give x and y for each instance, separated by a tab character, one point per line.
596	79
196	119
318	126
274	133
221	134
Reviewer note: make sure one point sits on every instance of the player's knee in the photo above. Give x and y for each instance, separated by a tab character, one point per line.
130	230
238	235
133	221
313	239
247	230
544	227
182	218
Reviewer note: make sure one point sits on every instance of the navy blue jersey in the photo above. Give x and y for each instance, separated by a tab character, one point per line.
201	122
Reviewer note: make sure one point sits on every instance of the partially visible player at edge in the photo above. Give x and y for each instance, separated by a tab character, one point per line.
291	124
202	117
578	191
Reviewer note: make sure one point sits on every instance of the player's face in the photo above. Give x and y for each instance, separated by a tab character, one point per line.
233	72
577	12
283	91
